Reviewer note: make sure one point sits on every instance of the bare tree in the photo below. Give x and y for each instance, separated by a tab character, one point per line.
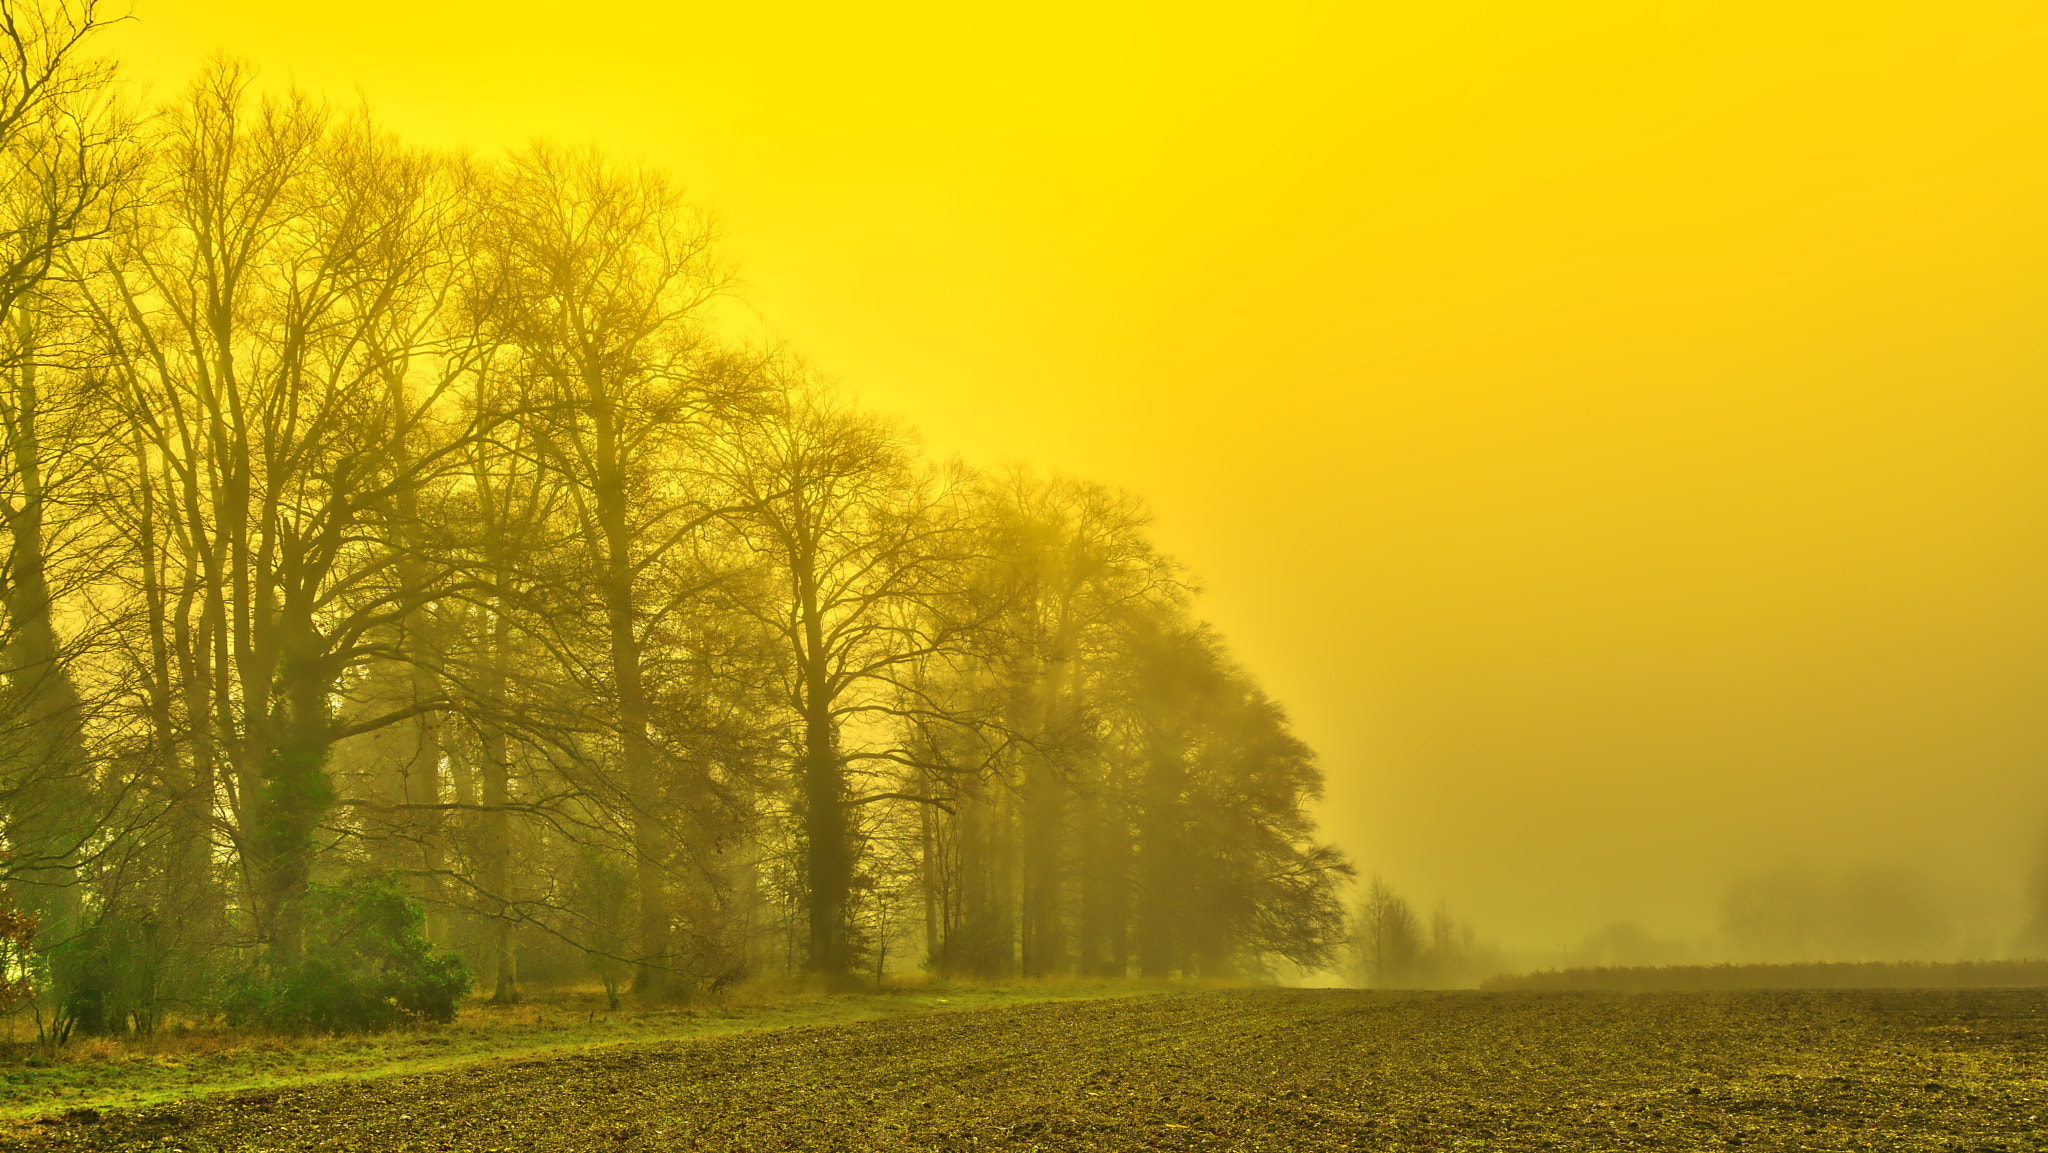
1387	937
272	309
66	156
866	547
609	273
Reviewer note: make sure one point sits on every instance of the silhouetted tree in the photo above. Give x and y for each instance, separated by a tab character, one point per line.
609	271
865	546
1386	938
66	158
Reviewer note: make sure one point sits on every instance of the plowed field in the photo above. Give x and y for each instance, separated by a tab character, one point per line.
1266	1070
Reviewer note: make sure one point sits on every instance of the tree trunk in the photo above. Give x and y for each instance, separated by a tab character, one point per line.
297	791
423	770
636	752
42	704
828	864
497	822
828	861
1159	902
929	860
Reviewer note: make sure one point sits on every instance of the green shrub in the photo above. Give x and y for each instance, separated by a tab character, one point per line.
603	892
367	967
17	954
109	979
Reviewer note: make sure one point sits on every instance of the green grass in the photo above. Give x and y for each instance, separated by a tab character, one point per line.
182	1062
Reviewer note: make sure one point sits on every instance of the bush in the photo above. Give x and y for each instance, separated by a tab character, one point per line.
17	954
109	979
603	891
367	967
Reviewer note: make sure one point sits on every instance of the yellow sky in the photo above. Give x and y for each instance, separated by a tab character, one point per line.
1615	430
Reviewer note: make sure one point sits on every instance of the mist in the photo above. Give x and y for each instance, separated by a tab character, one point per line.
1635	526
1082	578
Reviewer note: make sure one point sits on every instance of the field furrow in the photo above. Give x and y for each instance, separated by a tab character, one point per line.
1240	1070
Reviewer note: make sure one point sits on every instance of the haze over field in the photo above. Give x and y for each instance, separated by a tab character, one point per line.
1614	434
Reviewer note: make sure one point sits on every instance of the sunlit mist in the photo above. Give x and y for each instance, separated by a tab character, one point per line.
1612	433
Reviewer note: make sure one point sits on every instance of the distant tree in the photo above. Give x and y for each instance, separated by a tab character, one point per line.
1225	865
1386	939
1024	866
1452	956
1798	913
2032	939
1068	562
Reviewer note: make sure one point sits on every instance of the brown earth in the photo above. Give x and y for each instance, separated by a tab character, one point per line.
1252	1070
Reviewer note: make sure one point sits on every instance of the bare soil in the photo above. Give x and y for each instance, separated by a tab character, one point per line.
1245	1069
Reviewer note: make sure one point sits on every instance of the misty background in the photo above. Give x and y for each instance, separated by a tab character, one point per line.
1615	435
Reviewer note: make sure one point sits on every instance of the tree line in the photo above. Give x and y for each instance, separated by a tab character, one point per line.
1392	947
378	516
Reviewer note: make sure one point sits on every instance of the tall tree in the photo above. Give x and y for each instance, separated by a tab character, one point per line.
65	157
609	272
1068	562
867	548
266	302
